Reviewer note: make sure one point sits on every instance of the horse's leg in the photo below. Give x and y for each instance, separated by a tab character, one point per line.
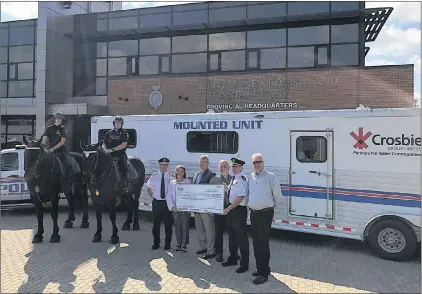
55	237
40	215
129	204
112	213
84	195
136	210
99	216
70	197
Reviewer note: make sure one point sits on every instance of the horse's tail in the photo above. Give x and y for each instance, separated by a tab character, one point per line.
140	169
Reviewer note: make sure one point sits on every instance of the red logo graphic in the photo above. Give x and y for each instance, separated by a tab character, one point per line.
360	139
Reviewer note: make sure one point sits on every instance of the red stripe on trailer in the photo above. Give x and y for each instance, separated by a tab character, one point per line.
320	226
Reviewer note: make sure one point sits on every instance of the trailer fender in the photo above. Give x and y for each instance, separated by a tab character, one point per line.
412	220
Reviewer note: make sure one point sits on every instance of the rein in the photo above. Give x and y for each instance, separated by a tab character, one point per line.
34	169
95	179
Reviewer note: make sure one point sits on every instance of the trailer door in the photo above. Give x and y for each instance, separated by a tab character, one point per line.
311	169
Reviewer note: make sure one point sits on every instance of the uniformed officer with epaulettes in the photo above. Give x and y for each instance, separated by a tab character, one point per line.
158	186
237	214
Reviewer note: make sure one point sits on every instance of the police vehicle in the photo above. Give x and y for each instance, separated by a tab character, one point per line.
345	173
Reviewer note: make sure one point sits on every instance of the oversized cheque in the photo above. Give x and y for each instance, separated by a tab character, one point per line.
200	198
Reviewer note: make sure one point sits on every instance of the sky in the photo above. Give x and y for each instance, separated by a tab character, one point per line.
398	43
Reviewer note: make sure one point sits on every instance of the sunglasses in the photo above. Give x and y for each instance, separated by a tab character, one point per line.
257	162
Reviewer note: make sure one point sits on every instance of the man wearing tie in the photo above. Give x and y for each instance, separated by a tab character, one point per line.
158	186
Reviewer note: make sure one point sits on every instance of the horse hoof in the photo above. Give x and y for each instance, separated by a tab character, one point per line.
37	239
126	227
55	239
135	227
84	225
68	225
96	239
114	240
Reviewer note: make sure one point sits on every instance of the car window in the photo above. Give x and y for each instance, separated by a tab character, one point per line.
9	161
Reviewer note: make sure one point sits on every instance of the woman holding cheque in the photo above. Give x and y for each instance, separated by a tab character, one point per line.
181	218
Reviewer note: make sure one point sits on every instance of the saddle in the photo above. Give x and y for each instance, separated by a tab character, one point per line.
133	174
73	163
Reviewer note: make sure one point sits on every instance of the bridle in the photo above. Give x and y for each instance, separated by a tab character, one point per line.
37	162
94	179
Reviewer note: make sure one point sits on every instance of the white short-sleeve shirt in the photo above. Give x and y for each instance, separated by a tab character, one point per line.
239	187
154	182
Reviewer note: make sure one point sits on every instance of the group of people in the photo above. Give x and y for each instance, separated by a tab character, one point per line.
257	192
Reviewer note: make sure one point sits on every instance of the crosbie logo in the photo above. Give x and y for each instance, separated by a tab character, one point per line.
360	139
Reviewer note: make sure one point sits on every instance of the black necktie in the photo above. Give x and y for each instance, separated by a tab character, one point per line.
227	197
163	188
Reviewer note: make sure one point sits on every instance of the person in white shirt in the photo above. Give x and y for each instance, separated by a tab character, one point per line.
181	218
158	187
264	191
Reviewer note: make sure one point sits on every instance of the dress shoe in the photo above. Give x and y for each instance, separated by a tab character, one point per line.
155	247
259	280
229	263
178	248
167	247
219	258
183	248
202	251
208	256
255	274
242	269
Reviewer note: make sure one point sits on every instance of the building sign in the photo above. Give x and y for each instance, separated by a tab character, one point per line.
252	106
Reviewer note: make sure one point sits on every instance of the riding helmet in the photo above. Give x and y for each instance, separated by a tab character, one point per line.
118	118
59	115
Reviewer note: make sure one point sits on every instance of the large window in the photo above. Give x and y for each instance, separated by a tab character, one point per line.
308	35
22	35
233	60
191	43
13	128
19	89
267	38
21	53
300	57
311	149
213	142
154	46
227	41
131	133
123	48
189	63
301	8
9	161
344	54
148	65
265	9
345	33
273	58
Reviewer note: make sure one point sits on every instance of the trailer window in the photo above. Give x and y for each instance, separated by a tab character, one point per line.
9	162
213	142
131	133
311	149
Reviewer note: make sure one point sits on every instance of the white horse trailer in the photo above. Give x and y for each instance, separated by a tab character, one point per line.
344	173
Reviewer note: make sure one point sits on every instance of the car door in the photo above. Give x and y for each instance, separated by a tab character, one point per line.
12	181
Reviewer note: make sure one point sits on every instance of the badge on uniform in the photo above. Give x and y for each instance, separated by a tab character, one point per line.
244	178
97	192
235	183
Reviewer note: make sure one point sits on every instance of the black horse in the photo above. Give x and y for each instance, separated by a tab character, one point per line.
100	175
45	174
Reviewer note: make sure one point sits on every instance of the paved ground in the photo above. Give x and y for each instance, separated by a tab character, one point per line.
300	263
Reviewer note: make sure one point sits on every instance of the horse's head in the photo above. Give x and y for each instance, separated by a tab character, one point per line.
90	158
33	153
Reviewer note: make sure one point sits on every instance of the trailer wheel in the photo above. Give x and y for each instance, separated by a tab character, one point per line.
392	240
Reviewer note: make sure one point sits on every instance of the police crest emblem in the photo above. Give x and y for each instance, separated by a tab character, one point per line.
155	98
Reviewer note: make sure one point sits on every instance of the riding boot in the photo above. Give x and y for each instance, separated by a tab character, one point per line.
126	182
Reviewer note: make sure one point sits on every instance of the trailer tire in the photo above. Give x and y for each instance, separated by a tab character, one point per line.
392	239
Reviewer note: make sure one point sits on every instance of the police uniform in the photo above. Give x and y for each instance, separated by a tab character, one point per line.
236	220
160	185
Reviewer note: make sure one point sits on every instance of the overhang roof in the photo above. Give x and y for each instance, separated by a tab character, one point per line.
375	19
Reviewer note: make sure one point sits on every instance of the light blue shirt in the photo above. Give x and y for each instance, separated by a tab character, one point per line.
264	190
238	188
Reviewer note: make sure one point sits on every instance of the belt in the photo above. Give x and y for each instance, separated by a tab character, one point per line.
261	210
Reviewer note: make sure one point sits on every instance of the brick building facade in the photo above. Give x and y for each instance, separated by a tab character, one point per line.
311	89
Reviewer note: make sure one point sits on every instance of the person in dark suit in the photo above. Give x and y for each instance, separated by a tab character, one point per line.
204	222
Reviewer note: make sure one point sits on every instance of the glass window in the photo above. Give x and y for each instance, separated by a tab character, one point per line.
3	72
19	126
148	65
267	10
21	88
165	64
252	59
227	41
191	43
227	14
344	6
190	17
345	54
154	46
4	38
3	89
9	161
189	63
322	55
123	48
102	49
301	8
267	38
25	71
308	35
213	142
101	86
101	25
117	66
233	60
301	57
21	54
311	149
3	55
131	134
214	61
123	23
12	71
273	58
101	67
155	20
22	35
345	33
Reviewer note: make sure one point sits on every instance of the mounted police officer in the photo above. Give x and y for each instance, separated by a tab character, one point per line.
115	142
57	135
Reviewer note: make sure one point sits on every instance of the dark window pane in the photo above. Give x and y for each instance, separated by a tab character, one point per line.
3	89
117	66
22	35
311	149
21	89
3	55
345	54
165	64
213	61
233	60
101	25
19	126
301	57
148	65
3	72
101	49
12	71
253	59
123	48
25	71
308	35
227	14
101	86
213	142
345	33
154	46
123	23
190	17
191	43
101	67
267	10
227	41
21	54
344	6
301	8
187	7
155	20
187	63
322	55
273	58
4	38
267	38
9	161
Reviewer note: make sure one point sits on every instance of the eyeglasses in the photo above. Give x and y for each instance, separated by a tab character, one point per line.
257	162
